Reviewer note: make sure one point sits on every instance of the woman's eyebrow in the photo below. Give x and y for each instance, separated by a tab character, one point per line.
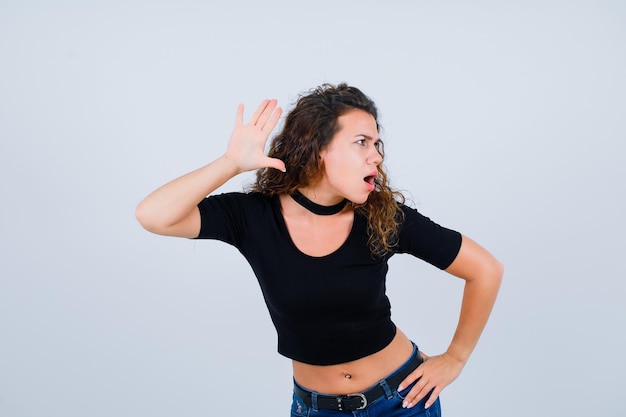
368	137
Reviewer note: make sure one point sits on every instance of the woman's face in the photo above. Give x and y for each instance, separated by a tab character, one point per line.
351	159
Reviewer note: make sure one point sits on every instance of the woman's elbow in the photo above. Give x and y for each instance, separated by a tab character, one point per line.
159	221
496	271
145	216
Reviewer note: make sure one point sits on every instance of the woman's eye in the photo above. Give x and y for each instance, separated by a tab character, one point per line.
361	142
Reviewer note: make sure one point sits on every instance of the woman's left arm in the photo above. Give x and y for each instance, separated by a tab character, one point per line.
482	274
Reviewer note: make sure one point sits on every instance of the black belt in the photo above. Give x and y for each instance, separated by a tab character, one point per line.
351	402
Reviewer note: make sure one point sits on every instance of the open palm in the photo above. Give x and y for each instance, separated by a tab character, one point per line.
246	147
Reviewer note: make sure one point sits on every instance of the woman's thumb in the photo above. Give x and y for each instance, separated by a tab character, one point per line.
276	163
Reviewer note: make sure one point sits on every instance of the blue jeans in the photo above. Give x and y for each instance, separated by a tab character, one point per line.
386	406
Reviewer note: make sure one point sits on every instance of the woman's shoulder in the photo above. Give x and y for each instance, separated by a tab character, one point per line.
411	216
241	200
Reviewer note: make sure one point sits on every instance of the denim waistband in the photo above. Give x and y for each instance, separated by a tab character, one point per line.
384	387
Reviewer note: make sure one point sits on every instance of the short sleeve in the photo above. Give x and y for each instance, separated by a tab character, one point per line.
427	240
222	217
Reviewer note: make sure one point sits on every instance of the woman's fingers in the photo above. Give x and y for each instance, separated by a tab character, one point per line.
434	375
239	116
258	112
413	376
416	374
433	397
271	123
419	391
263	113
267	113
246	146
275	163
265	117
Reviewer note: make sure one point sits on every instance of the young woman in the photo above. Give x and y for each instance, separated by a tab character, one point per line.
318	227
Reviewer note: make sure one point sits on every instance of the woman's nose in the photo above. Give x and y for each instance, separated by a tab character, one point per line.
374	156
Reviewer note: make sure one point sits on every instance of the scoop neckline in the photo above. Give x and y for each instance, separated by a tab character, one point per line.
283	226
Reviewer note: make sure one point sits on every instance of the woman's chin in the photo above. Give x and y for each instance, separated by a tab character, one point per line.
360	199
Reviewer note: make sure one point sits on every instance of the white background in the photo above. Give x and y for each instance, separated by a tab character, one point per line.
504	120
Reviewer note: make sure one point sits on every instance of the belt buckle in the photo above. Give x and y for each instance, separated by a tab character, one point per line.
360	395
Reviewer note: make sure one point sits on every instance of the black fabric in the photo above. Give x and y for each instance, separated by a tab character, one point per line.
317	208
326	310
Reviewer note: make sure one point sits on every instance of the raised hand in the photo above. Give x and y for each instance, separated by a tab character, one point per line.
246	147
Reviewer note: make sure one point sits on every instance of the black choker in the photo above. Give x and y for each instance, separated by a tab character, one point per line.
316	208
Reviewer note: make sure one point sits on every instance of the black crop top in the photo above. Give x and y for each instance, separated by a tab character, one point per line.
330	309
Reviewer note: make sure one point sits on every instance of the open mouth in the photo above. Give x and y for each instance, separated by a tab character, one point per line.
370	179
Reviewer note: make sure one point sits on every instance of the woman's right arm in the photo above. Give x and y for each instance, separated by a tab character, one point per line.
172	209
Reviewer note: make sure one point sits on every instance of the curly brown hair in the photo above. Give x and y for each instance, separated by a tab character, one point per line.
308	129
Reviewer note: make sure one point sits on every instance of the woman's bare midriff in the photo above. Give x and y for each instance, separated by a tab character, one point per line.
355	376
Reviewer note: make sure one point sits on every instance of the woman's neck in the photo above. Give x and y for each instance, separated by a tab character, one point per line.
317	208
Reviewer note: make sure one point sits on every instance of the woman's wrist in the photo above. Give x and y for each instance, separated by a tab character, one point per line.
458	354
